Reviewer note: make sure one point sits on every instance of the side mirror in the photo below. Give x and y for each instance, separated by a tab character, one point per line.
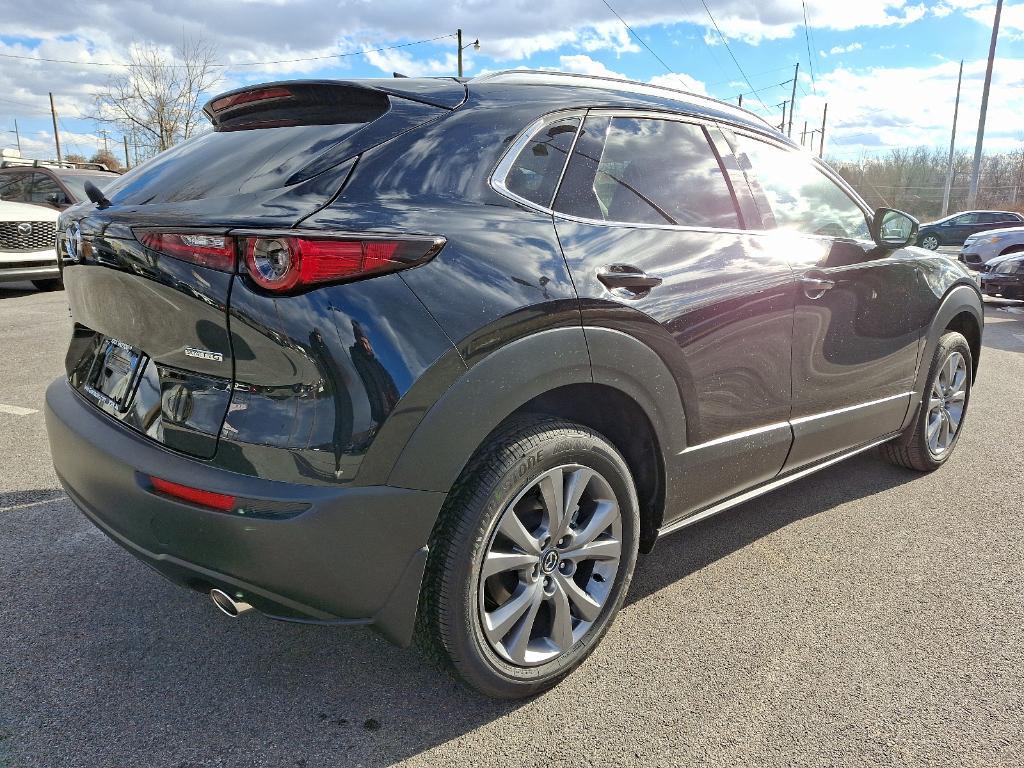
893	229
57	199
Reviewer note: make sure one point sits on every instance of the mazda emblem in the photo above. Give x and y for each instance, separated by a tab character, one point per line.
25	229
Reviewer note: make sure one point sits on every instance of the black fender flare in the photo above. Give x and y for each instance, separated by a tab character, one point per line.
959	299
512	375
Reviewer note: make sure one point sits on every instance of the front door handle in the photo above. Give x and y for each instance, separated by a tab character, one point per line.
629	277
815	287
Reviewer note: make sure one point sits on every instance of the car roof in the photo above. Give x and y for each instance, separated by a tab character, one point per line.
630	93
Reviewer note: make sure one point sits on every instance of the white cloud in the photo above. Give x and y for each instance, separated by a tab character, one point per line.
584	65
839	49
680	80
883	107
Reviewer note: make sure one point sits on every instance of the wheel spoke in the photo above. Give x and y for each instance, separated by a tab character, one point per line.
599	549
944	432
586	606
498	622
604	513
499	562
512	527
954	415
561	619
574	489
958	396
519	637
552	493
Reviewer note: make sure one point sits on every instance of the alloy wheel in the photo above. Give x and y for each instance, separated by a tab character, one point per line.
946	404
550	565
931	242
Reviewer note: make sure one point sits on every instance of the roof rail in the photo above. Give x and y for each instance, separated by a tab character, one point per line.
624	82
16	162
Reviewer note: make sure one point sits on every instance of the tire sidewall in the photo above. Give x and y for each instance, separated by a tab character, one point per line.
948	344
558	447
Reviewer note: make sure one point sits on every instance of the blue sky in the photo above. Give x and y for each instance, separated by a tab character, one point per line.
886	67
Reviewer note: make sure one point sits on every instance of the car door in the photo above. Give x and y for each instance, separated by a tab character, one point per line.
860	311
957	229
651	220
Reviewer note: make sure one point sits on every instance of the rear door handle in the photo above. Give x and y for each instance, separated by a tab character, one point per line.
629	277
815	287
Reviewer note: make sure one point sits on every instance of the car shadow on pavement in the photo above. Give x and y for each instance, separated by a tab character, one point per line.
1004	329
692	549
105	662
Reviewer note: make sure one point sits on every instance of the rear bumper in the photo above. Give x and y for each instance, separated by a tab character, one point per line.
354	556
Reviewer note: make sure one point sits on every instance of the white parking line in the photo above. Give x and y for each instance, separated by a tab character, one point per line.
17	410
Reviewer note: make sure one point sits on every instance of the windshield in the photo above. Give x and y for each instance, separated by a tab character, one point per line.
75	182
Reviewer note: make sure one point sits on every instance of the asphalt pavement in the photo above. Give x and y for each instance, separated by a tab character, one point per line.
867	615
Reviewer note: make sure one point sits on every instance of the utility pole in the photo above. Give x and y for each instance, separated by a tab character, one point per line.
17	136
824	116
972	198
792	100
803	136
458	34
741	100
475	44
127	162
782	127
104	133
952	143
56	133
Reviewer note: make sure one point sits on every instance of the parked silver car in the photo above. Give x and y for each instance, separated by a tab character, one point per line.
980	249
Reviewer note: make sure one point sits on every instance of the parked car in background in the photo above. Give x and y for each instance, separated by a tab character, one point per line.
1005	278
58	186
27	245
953	230
980	251
472	345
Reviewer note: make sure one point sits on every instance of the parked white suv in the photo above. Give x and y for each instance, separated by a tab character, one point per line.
28	239
981	249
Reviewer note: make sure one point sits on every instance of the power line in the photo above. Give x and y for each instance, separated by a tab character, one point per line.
807	39
732	55
645	45
228	65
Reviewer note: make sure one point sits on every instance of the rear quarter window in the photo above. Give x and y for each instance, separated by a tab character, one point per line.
535	172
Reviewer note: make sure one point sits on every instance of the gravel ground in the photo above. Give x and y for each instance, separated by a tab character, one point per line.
864	616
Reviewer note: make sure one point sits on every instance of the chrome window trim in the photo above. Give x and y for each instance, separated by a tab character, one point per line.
501	170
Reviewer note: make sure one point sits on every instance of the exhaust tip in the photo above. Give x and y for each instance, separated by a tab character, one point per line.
227	604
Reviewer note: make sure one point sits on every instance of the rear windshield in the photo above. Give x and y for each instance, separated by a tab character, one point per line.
222	164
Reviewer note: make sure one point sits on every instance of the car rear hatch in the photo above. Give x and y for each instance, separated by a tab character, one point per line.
149	270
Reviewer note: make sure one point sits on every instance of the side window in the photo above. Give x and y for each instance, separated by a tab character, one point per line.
15	187
42	187
646	171
534	174
800	197
967	218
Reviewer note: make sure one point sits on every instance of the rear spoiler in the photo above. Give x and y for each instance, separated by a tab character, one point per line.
325	102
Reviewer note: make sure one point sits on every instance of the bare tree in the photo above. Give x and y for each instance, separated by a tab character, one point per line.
157	102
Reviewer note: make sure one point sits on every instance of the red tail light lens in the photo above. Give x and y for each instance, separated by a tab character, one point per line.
287	263
219	501
248	97
202	248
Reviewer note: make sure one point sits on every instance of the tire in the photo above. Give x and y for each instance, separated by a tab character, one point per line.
54	284
461	607
916	448
929	241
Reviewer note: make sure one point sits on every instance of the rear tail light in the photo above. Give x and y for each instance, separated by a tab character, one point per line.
250	97
202	248
218	501
287	263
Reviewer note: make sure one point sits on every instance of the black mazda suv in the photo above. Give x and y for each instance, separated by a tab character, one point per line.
441	357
